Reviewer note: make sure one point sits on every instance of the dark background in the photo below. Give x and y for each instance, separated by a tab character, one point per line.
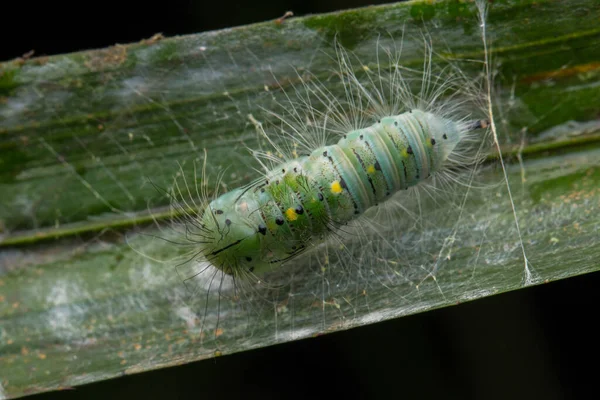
55	27
541	342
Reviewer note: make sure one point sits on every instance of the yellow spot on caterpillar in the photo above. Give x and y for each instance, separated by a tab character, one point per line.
371	169
291	214
404	153
336	188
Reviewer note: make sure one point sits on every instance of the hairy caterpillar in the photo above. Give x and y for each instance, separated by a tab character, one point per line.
396	129
385	263
309	230
256	228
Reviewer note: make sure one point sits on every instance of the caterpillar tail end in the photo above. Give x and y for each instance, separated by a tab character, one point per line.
479	124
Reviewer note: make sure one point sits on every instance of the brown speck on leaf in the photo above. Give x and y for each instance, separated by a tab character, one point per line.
285	16
218	332
563	73
41	60
98	60
157	37
28	55
21	60
282	305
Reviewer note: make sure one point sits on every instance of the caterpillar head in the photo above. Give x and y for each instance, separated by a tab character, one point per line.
230	241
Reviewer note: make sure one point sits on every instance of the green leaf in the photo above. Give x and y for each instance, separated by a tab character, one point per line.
82	133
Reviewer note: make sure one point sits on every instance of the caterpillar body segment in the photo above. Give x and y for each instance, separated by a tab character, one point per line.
256	228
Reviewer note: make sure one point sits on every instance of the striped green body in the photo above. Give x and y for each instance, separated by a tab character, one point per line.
299	203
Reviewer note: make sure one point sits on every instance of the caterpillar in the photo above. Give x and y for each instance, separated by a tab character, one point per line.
394	130
364	180
258	227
